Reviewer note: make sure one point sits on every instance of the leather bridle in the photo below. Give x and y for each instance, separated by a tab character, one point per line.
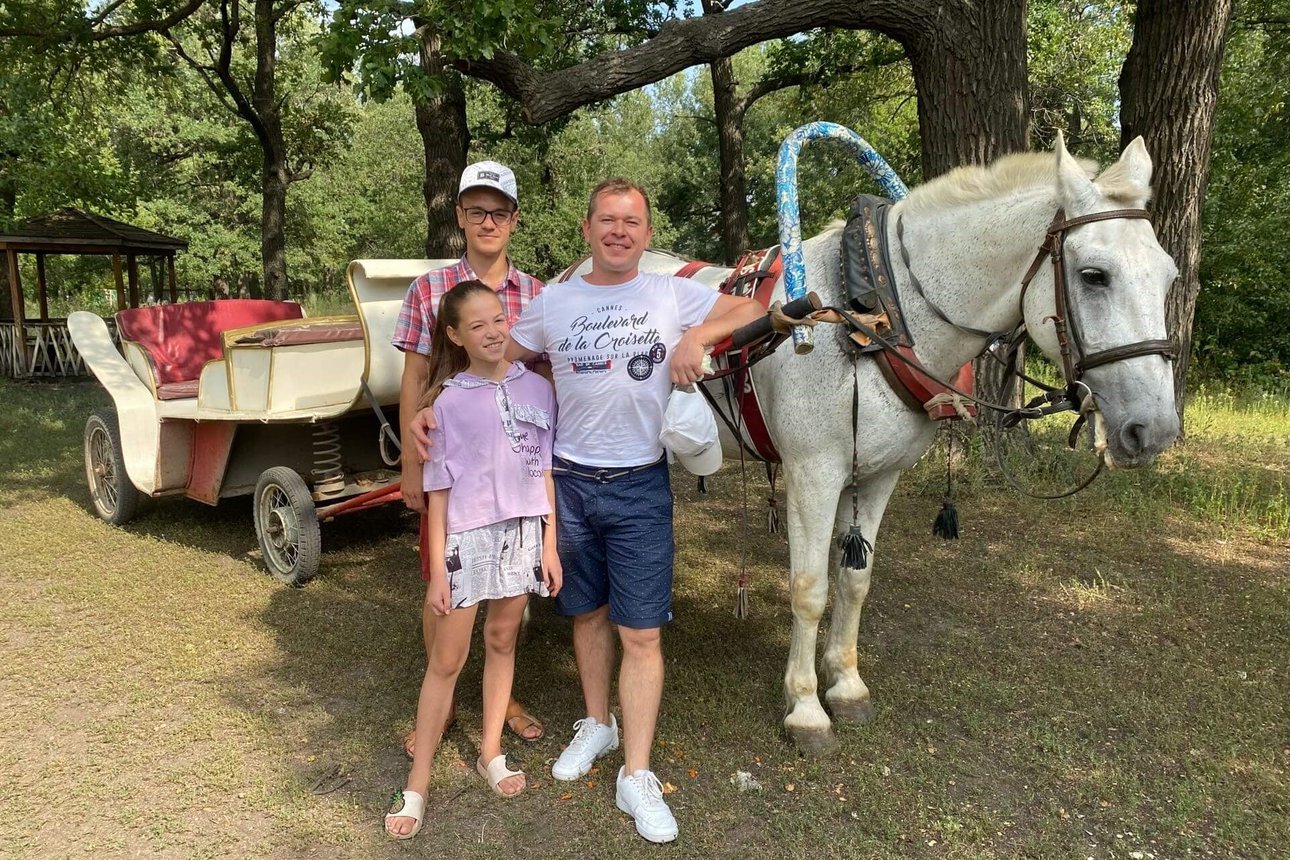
1075	357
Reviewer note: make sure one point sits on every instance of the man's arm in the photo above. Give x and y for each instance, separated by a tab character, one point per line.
515	352
728	314
416	370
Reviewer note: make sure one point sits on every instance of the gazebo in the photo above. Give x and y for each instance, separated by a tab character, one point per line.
44	347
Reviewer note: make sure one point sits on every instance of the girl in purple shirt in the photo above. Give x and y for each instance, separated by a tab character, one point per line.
491	527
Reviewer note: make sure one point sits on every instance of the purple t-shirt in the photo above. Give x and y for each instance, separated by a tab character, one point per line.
491	446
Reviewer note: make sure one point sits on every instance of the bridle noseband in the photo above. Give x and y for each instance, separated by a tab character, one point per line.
1075	358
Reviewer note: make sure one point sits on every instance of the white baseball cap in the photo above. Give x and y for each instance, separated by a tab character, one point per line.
490	174
690	432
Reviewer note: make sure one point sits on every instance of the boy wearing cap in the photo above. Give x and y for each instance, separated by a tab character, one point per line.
487	212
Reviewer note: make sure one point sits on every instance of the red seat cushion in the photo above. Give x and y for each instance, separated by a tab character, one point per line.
181	338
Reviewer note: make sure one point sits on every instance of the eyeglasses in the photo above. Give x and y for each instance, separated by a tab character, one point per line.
501	217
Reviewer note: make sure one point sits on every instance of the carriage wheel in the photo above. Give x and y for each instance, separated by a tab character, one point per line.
287	525
115	499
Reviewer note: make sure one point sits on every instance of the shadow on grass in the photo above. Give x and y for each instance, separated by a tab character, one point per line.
1045	685
1087	678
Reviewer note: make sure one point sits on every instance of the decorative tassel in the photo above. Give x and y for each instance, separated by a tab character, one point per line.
947	522
855	549
773	524
741	598
703	484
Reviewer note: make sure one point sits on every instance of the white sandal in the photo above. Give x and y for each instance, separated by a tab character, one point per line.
412	805
495	772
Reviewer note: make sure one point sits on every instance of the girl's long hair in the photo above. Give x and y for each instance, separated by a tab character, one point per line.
447	359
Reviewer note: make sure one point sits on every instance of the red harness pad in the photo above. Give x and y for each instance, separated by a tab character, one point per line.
754	275
918	390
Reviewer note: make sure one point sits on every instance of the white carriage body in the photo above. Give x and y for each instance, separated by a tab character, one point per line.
226	398
276	372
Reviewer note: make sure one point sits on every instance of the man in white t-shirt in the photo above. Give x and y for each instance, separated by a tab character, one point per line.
618	339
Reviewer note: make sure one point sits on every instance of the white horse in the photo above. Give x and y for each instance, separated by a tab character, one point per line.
971	236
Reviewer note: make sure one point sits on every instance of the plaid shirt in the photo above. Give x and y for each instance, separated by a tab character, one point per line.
416	321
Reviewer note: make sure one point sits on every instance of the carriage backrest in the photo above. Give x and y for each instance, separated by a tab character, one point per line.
378	288
180	338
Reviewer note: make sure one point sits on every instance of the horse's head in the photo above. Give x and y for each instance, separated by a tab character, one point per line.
1117	277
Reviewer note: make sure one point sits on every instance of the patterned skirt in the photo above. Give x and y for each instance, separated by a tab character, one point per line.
493	561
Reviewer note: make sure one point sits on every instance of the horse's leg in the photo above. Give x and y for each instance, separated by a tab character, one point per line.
847	695
810	501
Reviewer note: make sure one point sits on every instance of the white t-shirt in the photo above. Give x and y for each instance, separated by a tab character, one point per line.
611	353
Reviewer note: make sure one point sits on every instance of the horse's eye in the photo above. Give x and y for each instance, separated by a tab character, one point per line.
1094	277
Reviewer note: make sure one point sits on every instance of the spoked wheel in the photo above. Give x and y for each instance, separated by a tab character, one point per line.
115	498
287	525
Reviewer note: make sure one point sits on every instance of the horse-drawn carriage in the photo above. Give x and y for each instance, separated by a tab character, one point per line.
245	396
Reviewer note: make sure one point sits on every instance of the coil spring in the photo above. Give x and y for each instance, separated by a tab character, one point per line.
327	473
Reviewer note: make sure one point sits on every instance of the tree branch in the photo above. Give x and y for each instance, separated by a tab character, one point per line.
55	29
106	11
682	43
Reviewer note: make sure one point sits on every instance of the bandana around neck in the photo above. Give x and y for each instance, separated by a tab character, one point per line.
507	409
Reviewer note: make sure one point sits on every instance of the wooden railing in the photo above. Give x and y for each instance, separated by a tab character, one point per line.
48	351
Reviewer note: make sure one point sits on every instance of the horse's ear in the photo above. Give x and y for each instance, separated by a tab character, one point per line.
1074	186
1135	164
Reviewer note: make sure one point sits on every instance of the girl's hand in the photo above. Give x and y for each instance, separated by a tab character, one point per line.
552	572
439	593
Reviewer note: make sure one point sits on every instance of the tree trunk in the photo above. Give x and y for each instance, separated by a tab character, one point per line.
8	205
1168	92
733	195
273	237
445	137
970	74
276	175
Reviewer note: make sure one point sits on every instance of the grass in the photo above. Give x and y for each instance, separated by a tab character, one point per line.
1099	677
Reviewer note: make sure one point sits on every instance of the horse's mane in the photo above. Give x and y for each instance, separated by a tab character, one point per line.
973	183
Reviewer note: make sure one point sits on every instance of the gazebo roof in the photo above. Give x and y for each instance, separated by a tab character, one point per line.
76	231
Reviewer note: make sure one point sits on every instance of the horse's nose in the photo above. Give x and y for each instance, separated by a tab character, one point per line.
1133	439
1148	438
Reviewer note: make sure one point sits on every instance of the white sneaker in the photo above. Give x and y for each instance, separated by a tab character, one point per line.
591	740
641	796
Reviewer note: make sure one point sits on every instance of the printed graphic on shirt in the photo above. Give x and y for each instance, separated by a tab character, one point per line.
594	341
640	368
531	451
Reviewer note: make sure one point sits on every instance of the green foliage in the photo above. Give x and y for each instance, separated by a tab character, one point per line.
368	202
379	47
53	149
1075	51
875	101
1244	303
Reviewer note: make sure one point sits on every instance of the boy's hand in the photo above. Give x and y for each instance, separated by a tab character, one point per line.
421	425
410	485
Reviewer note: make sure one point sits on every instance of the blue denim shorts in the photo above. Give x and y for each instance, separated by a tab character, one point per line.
615	542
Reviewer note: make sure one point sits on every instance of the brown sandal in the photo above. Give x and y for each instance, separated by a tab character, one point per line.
526	722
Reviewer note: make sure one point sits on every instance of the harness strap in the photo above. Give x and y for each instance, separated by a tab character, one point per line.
1132	350
917	285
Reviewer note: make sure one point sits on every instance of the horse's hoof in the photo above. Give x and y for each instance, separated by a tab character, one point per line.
858	711
813	742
